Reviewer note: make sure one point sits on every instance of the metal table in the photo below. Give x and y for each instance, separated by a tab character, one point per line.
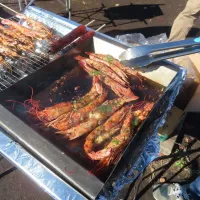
67	3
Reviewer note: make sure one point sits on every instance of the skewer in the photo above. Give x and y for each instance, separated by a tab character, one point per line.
9	8
102	26
90	22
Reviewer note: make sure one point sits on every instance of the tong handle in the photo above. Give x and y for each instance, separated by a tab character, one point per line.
176	53
173	45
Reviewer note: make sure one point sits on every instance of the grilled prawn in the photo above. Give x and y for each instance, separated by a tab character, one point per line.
105	131
23	30
36	26
107	60
51	113
104	69
111	61
7	41
74	118
118	142
13	44
5	51
16	36
96	118
115	86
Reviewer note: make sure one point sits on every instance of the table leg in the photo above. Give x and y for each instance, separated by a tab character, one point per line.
68	8
20	5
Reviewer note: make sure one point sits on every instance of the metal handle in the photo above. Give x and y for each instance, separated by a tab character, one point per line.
173	45
177	53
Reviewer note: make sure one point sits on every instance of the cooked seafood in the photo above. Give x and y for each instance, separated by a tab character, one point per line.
115	64
96	117
23	30
103	68
51	113
107	60
36	26
1	59
115	86
105	131
74	118
13	44
117	142
16	36
5	51
7	41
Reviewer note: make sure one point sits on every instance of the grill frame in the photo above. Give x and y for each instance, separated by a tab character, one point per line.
35	143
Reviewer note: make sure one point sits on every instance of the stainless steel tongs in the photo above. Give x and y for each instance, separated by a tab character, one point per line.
141	56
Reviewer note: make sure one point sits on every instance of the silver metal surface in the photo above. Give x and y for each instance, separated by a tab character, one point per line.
143	55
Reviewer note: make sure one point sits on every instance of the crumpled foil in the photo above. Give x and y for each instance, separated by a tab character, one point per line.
47	180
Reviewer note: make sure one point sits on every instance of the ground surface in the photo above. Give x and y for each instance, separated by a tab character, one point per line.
150	17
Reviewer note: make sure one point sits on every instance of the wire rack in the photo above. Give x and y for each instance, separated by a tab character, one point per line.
14	69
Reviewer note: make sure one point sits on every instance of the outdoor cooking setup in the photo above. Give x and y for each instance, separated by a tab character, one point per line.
70	73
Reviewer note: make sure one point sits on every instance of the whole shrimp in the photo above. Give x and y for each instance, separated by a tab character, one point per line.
77	116
118	142
114	63
7	41
96	118
115	86
108	61
51	113
23	30
36	26
104	69
14	44
106	130
16	36
5	51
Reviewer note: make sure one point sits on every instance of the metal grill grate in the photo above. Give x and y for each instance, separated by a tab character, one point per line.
14	69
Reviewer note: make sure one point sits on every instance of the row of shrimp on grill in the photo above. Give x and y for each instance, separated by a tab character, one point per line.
108	124
15	38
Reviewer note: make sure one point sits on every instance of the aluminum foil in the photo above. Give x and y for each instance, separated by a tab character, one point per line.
35	170
148	149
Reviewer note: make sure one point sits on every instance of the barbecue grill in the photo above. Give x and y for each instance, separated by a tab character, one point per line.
58	157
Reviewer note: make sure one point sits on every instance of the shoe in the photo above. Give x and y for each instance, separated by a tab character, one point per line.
170	192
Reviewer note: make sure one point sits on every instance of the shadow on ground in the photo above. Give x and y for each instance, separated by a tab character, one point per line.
182	166
150	31
132	13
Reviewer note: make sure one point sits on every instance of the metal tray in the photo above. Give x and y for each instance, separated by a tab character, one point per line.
44	147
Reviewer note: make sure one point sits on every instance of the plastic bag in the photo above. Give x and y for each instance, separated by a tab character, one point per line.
136	39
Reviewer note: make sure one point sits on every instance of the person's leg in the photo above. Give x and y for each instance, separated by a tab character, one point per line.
195	186
185	20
